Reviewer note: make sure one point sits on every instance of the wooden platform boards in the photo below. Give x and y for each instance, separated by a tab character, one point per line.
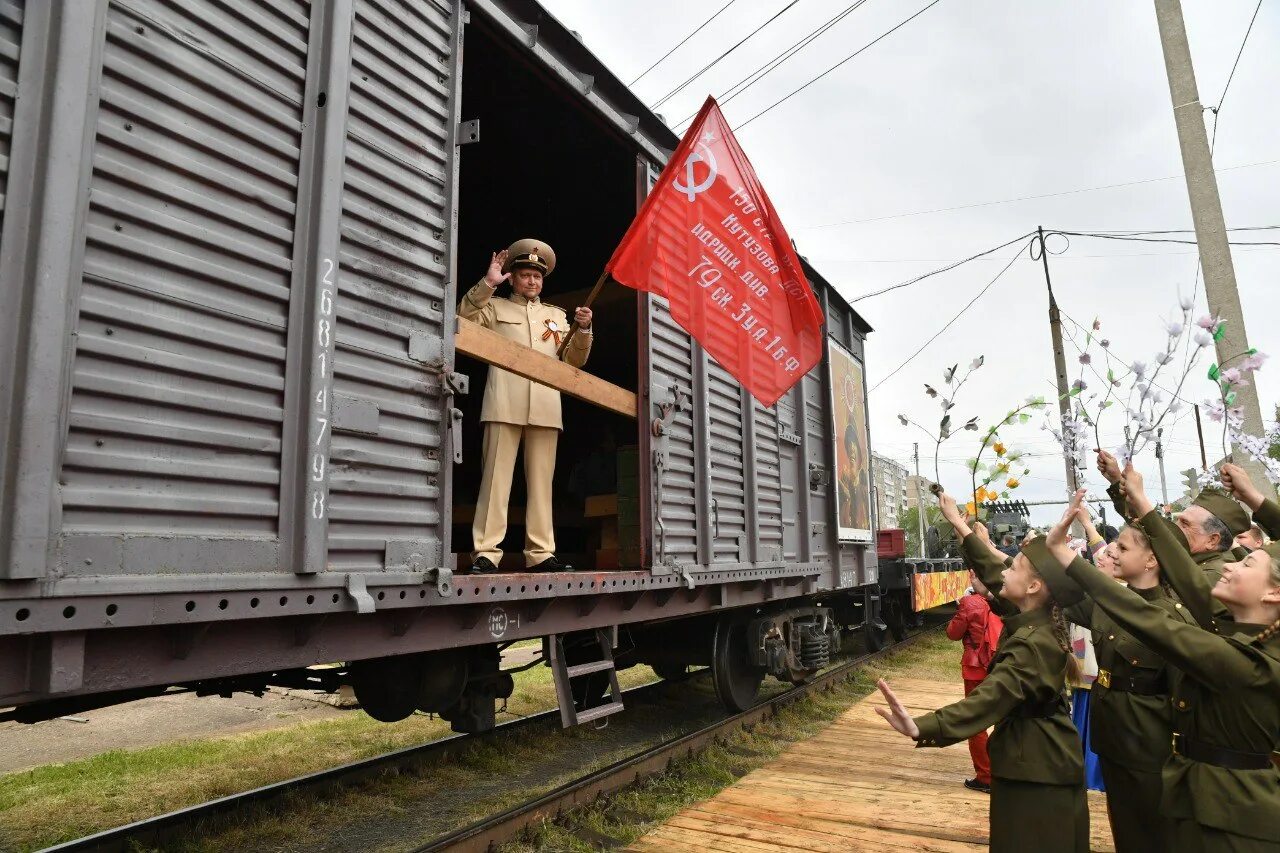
856	786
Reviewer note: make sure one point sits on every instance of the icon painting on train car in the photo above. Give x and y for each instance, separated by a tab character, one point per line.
853	455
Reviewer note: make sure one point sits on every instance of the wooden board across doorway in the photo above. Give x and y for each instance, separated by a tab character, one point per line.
490	347
857	785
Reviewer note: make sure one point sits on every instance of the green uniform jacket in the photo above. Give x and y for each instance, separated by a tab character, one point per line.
1131	729
1034	739
1226	692
1268	518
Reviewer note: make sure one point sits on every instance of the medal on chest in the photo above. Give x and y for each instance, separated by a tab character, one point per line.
553	331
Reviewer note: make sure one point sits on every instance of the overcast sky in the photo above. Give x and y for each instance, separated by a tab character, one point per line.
980	101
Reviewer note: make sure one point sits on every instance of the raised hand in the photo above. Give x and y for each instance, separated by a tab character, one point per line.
1108	466
1132	486
495	276
1056	539
582	317
1237	482
895	713
947	504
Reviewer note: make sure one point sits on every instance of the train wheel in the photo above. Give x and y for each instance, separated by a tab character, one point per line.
736	678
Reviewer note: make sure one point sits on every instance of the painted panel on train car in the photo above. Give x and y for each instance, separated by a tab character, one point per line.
853	455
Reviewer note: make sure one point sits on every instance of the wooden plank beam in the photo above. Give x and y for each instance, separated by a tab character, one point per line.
490	347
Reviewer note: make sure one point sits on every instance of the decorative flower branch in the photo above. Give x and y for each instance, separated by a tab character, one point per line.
947	401
1001	471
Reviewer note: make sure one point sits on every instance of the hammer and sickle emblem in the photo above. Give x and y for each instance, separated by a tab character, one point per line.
691	187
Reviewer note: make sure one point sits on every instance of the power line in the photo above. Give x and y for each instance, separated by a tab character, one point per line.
704	69
697	30
767	68
1025	198
813	80
1231	77
940	270
1139	239
950	322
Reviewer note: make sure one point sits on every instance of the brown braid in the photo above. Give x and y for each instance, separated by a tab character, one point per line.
1073	672
1267	633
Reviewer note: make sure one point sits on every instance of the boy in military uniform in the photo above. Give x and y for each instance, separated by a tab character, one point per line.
517	410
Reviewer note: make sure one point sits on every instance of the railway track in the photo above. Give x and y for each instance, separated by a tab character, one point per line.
486	834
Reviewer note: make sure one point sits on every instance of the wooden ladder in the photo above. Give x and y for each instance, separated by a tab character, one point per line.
564	675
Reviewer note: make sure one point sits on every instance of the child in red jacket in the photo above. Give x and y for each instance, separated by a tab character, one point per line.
978	629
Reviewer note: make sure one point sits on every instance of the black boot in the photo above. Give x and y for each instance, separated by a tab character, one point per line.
482	566
551	564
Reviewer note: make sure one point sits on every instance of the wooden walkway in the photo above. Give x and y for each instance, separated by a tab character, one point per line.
858	785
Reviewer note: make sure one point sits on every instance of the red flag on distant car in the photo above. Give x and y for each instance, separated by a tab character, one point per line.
709	240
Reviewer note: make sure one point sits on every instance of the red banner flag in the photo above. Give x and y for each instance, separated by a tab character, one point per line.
709	240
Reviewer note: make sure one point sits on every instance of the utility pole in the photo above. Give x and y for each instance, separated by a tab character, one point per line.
1064	398
920	507
1206	213
1164	489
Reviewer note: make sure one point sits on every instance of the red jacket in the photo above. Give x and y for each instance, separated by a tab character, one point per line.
970	625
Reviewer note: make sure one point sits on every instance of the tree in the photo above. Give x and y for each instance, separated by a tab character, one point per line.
908	521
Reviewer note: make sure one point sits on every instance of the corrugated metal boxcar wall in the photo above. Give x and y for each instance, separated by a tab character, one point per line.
10	46
264	268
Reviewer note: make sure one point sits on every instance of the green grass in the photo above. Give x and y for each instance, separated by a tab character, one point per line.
60	802
629	814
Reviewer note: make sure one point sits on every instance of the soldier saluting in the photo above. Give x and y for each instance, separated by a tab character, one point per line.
517	410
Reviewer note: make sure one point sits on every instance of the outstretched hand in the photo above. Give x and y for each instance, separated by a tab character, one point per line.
896	714
952	514
1237	482
1056	538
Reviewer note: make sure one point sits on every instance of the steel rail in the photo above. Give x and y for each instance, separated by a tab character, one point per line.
488	834
153	830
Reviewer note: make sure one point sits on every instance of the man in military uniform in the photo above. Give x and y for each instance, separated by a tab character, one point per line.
1207	528
517	410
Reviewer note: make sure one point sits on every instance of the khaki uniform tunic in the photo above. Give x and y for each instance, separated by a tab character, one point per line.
1038	800
1225	692
519	411
1130	727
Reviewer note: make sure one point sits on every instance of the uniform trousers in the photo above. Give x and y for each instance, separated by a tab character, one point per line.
498	457
978	743
1133	804
1029	817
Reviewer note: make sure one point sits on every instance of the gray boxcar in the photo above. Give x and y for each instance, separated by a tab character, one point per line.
238	439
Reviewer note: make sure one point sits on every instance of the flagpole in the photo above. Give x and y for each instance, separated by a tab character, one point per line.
573	327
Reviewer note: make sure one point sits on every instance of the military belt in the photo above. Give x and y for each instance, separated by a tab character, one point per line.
1141	684
1032	710
1219	756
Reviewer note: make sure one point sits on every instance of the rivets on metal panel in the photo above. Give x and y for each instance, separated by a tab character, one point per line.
118	227
97	442
128	125
110	331
320	100
140	30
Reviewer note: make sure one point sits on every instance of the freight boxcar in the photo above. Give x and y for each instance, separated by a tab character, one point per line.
240	417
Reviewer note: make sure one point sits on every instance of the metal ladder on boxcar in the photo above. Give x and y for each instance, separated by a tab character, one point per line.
564	675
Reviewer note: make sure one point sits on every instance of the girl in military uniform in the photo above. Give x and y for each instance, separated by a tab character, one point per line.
1221	789
1037	769
1129	714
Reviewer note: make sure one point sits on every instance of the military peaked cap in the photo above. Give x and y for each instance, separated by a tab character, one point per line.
530	253
1226	509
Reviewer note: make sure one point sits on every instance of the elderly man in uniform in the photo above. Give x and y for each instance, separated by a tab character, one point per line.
518	411
1207	528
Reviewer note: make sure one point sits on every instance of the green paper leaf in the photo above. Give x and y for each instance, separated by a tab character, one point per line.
1214	373
1023	418
1230	399
1220	332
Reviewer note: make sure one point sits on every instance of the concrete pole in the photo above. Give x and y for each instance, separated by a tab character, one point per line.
1206	214
920	507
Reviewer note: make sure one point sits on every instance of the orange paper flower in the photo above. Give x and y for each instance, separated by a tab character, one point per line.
999	449
1012	483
